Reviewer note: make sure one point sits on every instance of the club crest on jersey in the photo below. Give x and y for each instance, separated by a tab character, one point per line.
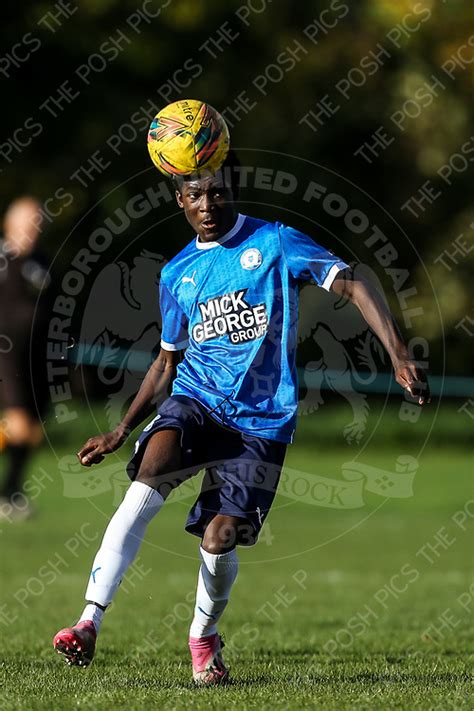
231	315
251	258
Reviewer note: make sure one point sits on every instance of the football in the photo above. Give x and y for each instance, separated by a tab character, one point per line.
187	137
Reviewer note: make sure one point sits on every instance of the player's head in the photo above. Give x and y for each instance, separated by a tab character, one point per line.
22	224
208	199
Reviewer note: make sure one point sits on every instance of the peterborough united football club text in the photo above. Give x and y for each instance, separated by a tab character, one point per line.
231	314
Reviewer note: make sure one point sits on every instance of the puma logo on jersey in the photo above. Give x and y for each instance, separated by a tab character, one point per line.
189	280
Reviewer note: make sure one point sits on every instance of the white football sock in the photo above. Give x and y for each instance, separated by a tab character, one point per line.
121	541
94	613
216	577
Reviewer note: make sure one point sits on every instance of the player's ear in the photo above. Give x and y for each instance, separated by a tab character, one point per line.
179	198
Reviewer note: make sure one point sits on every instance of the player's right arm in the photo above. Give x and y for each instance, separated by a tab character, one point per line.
153	390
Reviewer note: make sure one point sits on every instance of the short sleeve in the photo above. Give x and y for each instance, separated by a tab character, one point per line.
306	259
174	334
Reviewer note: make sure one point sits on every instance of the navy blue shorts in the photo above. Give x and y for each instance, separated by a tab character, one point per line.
241	471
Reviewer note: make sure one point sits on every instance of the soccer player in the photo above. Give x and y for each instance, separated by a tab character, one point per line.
24	310
230	300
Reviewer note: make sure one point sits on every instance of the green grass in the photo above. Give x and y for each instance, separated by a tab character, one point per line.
356	596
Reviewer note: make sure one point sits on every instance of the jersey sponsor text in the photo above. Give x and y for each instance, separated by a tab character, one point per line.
230	314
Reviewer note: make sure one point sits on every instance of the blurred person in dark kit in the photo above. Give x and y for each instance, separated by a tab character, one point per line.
25	292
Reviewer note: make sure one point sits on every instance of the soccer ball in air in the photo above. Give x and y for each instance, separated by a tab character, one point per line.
187	137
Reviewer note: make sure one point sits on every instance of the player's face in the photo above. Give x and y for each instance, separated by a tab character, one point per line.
208	206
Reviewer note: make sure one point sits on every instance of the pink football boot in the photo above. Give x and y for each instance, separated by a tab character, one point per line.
77	643
208	666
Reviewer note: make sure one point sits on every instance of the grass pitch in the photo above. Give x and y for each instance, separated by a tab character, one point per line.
335	608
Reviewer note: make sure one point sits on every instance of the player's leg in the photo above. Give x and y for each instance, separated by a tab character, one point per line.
16	424
121	541
20	426
238	490
217	574
127	527
21	432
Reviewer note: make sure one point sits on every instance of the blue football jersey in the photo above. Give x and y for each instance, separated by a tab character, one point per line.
233	305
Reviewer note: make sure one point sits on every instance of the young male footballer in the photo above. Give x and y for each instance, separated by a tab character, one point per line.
229	299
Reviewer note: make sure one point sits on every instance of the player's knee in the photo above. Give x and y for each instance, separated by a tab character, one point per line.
215	546
157	479
160	467
144	477
220	537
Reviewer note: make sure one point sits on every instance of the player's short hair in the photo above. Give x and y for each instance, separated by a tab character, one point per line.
229	172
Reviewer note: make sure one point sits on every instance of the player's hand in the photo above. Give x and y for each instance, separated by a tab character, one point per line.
94	450
413	379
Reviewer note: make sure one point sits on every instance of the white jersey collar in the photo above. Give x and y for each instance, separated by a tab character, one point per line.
209	245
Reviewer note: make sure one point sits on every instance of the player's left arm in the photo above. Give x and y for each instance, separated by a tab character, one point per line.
376	313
